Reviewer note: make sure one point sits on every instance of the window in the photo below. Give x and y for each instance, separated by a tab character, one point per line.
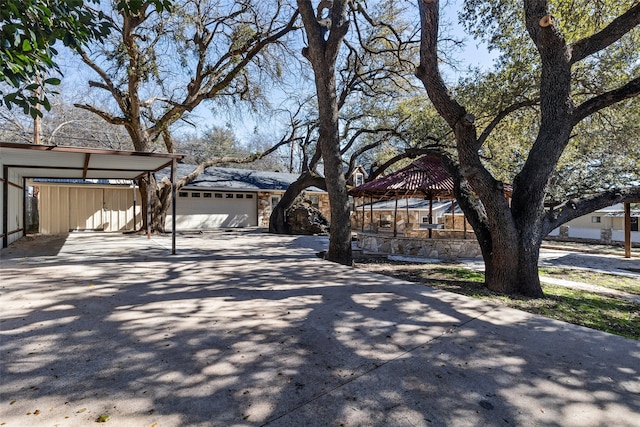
358	179
596	219
228	196
239	196
425	220
207	195
183	194
248	196
195	194
274	201
315	201
218	195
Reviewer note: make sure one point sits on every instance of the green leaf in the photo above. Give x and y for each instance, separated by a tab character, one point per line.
26	46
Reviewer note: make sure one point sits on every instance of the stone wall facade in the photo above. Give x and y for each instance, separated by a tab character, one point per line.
419	247
264	205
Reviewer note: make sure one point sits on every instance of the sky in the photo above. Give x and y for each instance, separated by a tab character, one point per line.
474	54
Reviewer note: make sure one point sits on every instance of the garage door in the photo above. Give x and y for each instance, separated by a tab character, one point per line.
201	210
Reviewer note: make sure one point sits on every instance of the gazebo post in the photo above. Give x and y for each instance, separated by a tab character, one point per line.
395	218
371	213
430	213
406	199
363	213
453	214
627	230
148	213
174	203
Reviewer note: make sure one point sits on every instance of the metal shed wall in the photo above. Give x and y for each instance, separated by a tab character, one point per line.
64	208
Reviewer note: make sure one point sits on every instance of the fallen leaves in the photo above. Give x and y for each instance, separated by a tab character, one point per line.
103	418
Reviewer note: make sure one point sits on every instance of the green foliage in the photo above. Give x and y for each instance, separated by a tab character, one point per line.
603	152
31	28
215	142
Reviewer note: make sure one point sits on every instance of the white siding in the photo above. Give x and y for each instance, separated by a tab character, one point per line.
63	208
15	196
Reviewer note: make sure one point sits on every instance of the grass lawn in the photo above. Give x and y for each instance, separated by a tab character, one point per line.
612	281
579	307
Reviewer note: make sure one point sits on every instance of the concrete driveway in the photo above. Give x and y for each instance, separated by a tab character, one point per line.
250	329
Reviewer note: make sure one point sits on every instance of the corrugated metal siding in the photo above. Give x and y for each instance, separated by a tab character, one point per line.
53	209
118	209
64	208
85	209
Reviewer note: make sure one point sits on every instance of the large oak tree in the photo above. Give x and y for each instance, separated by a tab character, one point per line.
510	234
158	66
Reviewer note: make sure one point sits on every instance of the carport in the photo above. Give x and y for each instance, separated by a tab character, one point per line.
27	161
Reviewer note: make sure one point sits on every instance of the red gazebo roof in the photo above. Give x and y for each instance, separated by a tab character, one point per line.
426	176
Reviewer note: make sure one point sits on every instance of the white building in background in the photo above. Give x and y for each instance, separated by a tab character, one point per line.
606	225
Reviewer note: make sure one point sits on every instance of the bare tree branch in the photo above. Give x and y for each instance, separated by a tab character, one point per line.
501	115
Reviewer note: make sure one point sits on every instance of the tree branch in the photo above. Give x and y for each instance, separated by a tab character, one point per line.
428	71
409	153
109	118
576	208
228	159
501	115
606	99
607	36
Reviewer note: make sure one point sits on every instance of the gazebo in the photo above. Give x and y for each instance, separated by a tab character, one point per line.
426	178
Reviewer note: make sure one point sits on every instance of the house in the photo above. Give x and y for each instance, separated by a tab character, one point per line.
357	177
231	197
605	225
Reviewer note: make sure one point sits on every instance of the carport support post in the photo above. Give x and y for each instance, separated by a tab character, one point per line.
148	205
5	206
627	230
174	201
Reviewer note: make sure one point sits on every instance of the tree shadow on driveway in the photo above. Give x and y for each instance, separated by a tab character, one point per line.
255	330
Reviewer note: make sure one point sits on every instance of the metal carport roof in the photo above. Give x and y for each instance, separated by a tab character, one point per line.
51	161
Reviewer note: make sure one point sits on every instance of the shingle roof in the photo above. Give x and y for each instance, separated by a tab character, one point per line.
236	179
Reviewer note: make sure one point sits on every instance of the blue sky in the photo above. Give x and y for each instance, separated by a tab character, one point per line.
474	54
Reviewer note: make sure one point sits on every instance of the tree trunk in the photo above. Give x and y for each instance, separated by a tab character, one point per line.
160	200
340	231
278	219
322	53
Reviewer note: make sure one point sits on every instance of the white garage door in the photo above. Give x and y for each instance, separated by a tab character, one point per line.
201	210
